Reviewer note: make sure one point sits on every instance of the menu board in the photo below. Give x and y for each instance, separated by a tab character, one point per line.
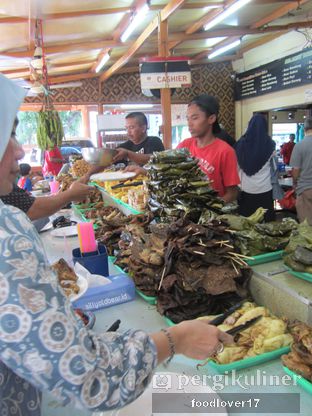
292	71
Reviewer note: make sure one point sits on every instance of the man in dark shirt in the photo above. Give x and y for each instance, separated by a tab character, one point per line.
138	149
140	146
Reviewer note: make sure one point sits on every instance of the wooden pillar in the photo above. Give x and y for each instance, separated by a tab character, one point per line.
165	97
85	121
99	137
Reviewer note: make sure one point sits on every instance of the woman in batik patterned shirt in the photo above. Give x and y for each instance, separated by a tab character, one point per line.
43	345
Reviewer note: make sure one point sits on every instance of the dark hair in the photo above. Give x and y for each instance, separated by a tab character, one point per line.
209	105
292	135
140	117
25	168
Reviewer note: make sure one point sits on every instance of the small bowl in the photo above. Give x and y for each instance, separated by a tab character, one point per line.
98	155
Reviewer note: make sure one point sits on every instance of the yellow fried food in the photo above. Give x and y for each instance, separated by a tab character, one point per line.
262	344
252	313
230	354
268	327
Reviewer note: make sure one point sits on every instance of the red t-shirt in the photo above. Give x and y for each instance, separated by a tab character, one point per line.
217	160
286	151
52	167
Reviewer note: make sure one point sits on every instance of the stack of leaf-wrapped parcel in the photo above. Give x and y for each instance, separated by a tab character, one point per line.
178	186
253	237
299	249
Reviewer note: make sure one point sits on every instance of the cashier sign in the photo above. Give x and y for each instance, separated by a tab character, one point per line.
169	72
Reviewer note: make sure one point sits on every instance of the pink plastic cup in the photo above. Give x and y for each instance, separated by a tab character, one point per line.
54	186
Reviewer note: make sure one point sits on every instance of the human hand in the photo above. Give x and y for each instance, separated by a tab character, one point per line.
78	191
197	339
83	179
138	170
120	155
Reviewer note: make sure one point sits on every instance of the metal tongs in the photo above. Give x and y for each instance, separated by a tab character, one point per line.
236	330
123	184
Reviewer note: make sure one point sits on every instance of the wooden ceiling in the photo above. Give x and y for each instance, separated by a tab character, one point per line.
77	33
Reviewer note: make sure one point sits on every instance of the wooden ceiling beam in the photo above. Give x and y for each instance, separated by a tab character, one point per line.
170	8
281	11
85	13
17	73
208	17
13	19
236	31
131	51
261	41
72	77
225	42
95	44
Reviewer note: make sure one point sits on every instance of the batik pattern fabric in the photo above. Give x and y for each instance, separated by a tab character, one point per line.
45	346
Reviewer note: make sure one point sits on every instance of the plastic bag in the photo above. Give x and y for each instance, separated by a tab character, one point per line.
289	200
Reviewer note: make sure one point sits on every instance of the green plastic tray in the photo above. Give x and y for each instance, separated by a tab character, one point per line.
152	300
265	258
301	381
300	275
119	202
149	299
248	362
168	321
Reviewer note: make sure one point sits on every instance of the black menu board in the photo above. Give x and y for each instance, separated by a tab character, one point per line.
292	71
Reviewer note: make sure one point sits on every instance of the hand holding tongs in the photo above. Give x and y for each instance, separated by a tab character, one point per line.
236	329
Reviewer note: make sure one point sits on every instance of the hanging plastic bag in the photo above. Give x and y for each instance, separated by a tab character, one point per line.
289	200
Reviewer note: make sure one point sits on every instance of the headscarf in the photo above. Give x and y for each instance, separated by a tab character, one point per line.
12	97
255	147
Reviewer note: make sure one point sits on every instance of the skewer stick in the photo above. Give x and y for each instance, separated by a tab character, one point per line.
162	277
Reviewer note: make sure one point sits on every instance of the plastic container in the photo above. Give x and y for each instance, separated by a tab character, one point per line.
86	236
248	362
301	381
120	290
265	258
95	262
54	186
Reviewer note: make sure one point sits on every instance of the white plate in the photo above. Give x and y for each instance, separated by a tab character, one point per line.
171	383
113	176
82	282
69	231
36	192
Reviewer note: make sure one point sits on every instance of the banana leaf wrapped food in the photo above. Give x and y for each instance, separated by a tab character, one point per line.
299	249
254	238
178	187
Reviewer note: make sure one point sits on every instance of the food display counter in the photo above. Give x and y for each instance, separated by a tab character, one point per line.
140	314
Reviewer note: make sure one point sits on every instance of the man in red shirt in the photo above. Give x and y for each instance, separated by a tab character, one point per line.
287	148
216	158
